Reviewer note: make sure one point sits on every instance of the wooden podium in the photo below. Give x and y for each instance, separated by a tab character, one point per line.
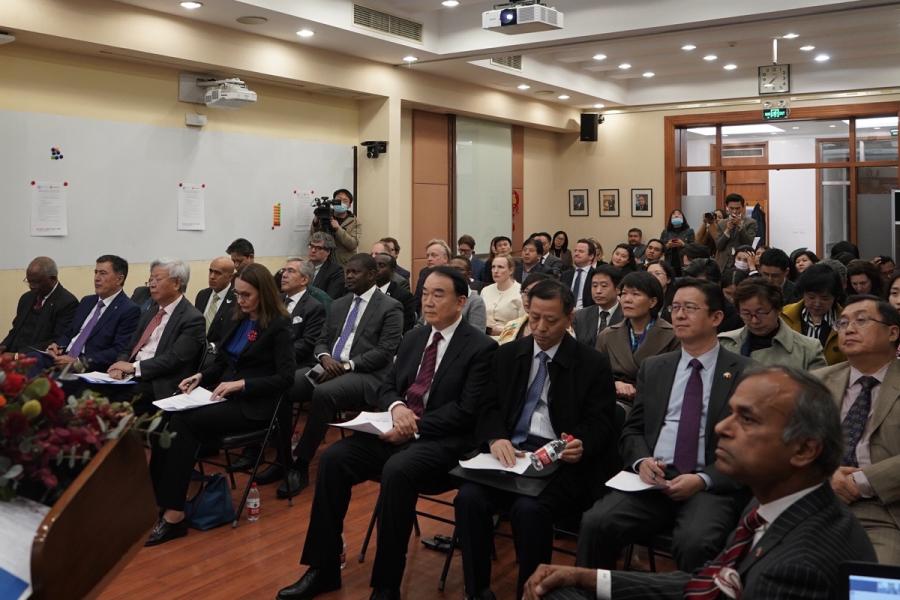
97	526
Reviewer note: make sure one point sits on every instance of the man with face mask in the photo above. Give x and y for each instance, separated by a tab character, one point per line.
344	227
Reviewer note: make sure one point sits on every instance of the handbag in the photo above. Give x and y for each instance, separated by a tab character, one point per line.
212	505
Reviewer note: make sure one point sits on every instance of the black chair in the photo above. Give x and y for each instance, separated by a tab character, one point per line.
658	544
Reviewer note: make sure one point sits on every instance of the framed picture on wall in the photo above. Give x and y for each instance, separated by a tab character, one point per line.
578	203
641	202
609	203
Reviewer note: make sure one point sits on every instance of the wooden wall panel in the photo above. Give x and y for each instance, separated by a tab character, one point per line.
518	186
431	151
431	190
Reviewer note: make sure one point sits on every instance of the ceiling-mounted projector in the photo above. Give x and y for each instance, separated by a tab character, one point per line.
522	17
227	93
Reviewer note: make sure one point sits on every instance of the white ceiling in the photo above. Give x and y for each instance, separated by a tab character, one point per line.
862	38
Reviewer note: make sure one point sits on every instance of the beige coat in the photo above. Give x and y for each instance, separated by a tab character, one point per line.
789	349
616	343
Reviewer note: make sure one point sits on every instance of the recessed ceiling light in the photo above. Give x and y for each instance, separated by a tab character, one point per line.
600	56
410	59
523	86
832	126
730	67
598	105
450	3
563	96
191	5
625	66
795	127
251	20
306	33
790	36
808	48
710	57
649	74
688	47
822	57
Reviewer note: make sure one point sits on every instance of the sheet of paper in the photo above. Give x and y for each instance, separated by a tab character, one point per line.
198	397
19	521
625	481
755	243
303	209
191	207
375	423
49	209
98	377
487	461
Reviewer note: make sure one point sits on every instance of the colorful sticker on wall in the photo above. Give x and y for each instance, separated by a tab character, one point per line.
276	215
56	153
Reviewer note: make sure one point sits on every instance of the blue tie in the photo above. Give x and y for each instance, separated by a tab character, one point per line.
523	425
79	343
347	330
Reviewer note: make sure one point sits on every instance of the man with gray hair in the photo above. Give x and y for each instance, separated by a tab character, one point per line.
328	275
782	439
437	253
44	311
169	339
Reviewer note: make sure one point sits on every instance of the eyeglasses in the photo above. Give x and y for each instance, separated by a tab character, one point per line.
758	315
688	308
859	320
314	247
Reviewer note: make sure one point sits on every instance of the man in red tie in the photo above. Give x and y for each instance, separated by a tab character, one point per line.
432	393
783	439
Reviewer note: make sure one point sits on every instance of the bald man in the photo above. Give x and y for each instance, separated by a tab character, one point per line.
217	301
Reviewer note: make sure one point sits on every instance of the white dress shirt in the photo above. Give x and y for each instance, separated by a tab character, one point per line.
104	304
540	418
363	305
446	336
611	310
293	300
579	290
863	456
149	349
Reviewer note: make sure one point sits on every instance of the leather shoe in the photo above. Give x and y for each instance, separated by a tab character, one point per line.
270	475
313	583
297	480
164	531
385	594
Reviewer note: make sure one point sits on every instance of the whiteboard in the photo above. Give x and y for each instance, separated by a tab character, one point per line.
122	181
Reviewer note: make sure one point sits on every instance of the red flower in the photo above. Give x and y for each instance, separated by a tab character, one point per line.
55	398
252	335
16	424
13	384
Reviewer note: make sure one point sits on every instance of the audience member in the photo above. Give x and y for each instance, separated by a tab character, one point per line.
44	312
759	251
385	265
844	247
501	299
475	284
783	440
306	312
731	278
707	231
241	253
474	311
605	311
689	253
437	254
670	438
737	230
542	387
803	260
518	328
532	251
393	248
893	288
864	277
636	241
623	259
708	270
654	252
839	268
381	247
815	314
465	246
775	266
675	236
578	279
500	246
665	274
598	260
329	275
552	263
886	267
560	249
745	259
343	227
764	338
215	301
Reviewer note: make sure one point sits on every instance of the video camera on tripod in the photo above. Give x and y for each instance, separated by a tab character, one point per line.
323	211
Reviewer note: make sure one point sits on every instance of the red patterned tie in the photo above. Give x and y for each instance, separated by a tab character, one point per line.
415	395
702	585
148	331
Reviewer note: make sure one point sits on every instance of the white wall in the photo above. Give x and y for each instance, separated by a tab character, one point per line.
792	194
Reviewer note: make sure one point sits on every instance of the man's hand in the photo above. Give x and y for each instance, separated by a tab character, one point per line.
504	451
684	486
395	437
404	420
61	360
625	390
573	452
225	388
332	368
54	349
335	225
188	384
120	369
547	578
652	471
844	486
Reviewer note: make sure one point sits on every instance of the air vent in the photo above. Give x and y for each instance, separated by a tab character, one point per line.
385	23
743	152
510	62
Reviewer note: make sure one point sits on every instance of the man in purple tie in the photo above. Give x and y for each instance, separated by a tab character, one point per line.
432	392
669	438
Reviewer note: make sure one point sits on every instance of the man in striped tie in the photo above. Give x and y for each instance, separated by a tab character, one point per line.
783	439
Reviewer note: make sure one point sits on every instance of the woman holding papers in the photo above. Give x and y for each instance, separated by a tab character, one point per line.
253	367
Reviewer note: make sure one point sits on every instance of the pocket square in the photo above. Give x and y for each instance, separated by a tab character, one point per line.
297	320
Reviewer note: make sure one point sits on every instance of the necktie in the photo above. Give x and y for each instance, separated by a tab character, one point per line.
38	303
415	395
702	586
604	320
211	309
855	422
148	331
576	286
349	324
78	345
688	439
523	425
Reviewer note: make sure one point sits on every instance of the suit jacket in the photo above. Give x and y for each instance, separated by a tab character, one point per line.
520	275
266	365
789	348
587	320
39	329
553	264
615	342
884	444
111	334
400	280
789	290
307	320
224	313
647	416
568	278
141	297
407	301
179	349
331	279
457	388
798	557
743	236
475	312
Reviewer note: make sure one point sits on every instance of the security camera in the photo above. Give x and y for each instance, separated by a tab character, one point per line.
374	148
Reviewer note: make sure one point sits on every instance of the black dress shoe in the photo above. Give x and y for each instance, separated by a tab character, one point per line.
313	583
164	531
385	594
297	480
270	475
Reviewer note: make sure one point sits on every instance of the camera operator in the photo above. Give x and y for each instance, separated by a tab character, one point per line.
337	220
734	231
706	233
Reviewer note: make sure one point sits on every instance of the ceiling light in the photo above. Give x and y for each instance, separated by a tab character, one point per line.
822	57
410	59
450	3
191	5
795	127
710	57
600	56
563	96
251	20
790	36
523	86
730	67
649	74
688	47
625	66
808	48
876	128
306	33
832	126
598	105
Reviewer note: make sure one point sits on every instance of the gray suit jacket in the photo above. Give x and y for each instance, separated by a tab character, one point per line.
587	320
474	312
742	236
615	341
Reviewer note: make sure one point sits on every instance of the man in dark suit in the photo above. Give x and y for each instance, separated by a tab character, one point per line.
432	392
552	262
670	437
44	311
579	279
530	263
104	322
437	254
168	342
329	275
775	265
783	440
381	247
605	309
543	387
384	279
393	248
355	350
216	303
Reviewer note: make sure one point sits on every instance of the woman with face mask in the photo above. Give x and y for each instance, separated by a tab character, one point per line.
745	259
676	234
343	227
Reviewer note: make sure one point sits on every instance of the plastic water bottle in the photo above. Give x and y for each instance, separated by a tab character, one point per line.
253	503
549	452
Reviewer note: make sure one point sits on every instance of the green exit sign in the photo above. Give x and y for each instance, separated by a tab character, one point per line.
775	114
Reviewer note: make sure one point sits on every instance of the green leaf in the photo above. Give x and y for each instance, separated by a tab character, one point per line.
154	424
11	473
37	389
72	458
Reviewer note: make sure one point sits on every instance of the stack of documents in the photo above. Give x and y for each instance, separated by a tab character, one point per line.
486	461
375	423
198	397
98	377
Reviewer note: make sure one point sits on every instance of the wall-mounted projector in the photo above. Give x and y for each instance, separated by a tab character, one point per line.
227	93
522	17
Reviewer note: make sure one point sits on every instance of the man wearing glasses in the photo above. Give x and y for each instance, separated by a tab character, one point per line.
669	440
866	388
329	275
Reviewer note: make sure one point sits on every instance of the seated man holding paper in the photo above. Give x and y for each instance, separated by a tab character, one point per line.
543	387
253	367
432	393
669	439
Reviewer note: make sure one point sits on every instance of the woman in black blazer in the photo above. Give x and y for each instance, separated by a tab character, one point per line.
253	367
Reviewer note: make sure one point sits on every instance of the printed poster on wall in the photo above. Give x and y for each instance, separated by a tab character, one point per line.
49	211
191	207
